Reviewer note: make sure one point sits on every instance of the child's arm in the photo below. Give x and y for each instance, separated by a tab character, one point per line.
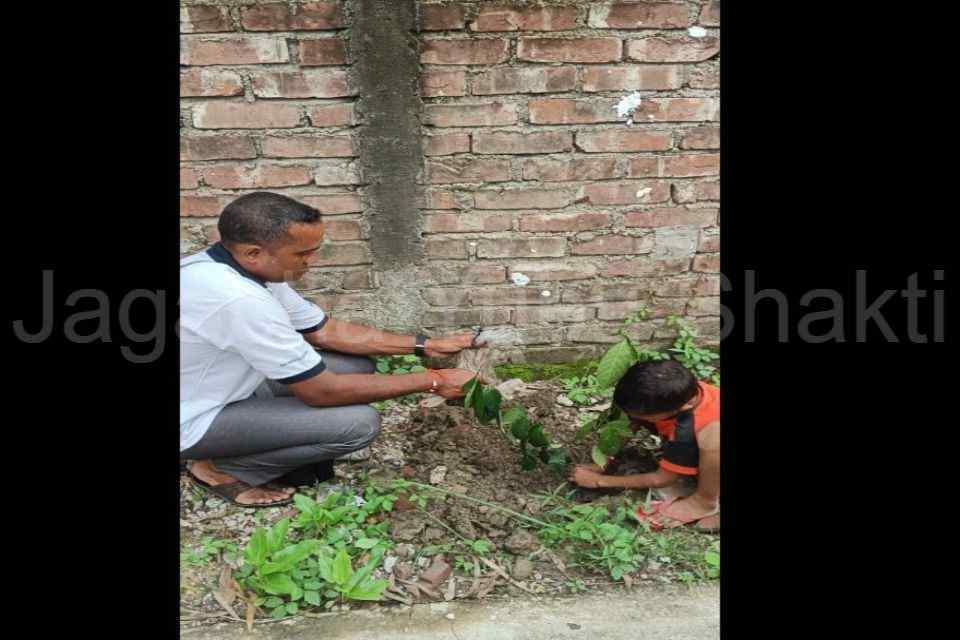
708	484
592	477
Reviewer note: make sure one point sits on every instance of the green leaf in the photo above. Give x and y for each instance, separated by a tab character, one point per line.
312	597
256	551
520	428
513	415
277	535
537	437
615	363
609	442
598	457
290	557
375	557
470	389
528	462
587	428
304	503
279	584
558	457
368	590
712	558
279	612
366	543
312	585
292	608
342	569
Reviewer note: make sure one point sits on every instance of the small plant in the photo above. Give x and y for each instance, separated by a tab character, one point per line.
535	447
391	365
209	549
585	390
347	583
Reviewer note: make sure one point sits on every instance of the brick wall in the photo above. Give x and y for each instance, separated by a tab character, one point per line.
528	172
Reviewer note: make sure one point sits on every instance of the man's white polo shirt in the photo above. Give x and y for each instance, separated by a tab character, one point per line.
235	331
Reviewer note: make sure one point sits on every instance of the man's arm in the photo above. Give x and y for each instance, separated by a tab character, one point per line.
358	339
328	389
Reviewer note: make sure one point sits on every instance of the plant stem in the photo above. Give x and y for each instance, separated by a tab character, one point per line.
490	505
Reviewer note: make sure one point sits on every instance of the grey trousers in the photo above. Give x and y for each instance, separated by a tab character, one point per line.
274	433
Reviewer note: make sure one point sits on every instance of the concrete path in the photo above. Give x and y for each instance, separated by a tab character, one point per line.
665	613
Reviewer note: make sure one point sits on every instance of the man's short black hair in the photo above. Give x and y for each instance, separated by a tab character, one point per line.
655	386
262	218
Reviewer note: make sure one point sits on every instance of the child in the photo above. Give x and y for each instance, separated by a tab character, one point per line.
666	397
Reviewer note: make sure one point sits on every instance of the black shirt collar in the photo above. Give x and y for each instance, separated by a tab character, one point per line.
220	254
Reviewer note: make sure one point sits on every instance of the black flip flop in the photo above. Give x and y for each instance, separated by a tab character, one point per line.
230	490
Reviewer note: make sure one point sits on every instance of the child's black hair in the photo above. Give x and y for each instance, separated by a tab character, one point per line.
655	386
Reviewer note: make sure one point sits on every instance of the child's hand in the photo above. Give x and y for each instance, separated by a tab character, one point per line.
587	476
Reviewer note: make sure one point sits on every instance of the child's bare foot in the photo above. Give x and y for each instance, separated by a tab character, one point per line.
685	510
710	523
206	471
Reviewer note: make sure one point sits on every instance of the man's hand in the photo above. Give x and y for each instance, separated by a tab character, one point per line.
452	381
449	345
588	476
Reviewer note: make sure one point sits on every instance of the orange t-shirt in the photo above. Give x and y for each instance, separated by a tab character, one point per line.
680	451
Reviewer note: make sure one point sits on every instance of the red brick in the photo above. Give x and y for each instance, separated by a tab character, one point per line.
486	51
525	80
447	144
554	270
676	287
677	110
604	293
261	176
484	274
687	191
632	77
526	248
449	249
645	267
704	76
342	230
466	317
618	140
217	147
334	204
441	17
710	15
621	310
440	200
567	111
453	170
323	52
241	115
314	83
690	165
673	49
644	167
189	178
565	222
700	138
340	255
535	315
707	285
446	296
556	170
709	306
308	16
209	83
671	217
613	245
498	296
201	206
333	115
564	50
311	146
335	172
709	242
639	15
435	84
471	115
466	223
627	192
532	19
201	51
503	142
707	262
522	199
205	19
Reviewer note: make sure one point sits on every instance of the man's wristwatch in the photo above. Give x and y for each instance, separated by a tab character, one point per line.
420	345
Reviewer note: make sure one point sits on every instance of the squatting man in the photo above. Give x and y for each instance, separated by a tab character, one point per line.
272	389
